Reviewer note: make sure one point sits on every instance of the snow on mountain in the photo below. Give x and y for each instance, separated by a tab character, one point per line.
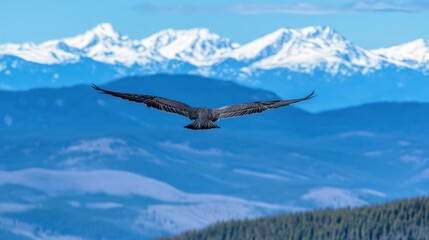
103	44
130	184
45	54
197	46
298	50
305	49
92	43
172	210
103	31
414	54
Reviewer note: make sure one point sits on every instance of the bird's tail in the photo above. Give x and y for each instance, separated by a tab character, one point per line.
201	125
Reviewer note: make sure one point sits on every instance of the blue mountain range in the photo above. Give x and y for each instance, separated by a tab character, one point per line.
286	61
82	165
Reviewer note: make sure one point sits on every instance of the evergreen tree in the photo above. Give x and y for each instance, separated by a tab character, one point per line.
407	219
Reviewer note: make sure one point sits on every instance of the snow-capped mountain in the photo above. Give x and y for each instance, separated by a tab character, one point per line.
196	46
102	44
298	50
285	61
60	51
414	54
199	47
304	50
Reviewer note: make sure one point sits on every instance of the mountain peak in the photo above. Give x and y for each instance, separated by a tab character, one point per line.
304	50
414	54
280	33
283	34
289	38
313	29
420	42
93	36
325	32
104	29
198	46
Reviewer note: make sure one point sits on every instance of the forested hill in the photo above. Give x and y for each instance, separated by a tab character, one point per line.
406	219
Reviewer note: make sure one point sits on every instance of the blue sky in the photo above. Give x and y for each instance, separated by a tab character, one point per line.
370	24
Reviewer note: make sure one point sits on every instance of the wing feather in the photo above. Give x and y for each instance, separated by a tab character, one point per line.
256	107
160	103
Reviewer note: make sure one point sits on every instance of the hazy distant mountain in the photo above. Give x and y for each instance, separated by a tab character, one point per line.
285	61
76	163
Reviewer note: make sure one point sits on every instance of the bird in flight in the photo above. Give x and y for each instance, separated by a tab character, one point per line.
204	118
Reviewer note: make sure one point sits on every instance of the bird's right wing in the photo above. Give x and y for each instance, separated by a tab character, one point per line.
160	103
256	107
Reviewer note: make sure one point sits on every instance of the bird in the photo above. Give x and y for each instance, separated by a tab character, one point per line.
203	118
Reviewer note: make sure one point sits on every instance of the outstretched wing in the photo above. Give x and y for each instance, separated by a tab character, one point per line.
256	107
160	103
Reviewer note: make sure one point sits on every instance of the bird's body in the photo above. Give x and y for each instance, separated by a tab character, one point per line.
204	118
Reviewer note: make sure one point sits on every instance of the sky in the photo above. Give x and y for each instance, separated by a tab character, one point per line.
370	24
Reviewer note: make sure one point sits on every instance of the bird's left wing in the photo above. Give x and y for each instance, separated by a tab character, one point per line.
160	103
256	107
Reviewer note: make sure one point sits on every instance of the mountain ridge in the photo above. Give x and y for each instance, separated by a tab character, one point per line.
102	40
286	61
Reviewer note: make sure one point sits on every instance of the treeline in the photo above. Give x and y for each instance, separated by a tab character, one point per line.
406	219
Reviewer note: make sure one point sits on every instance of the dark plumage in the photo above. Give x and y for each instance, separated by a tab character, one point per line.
204	118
